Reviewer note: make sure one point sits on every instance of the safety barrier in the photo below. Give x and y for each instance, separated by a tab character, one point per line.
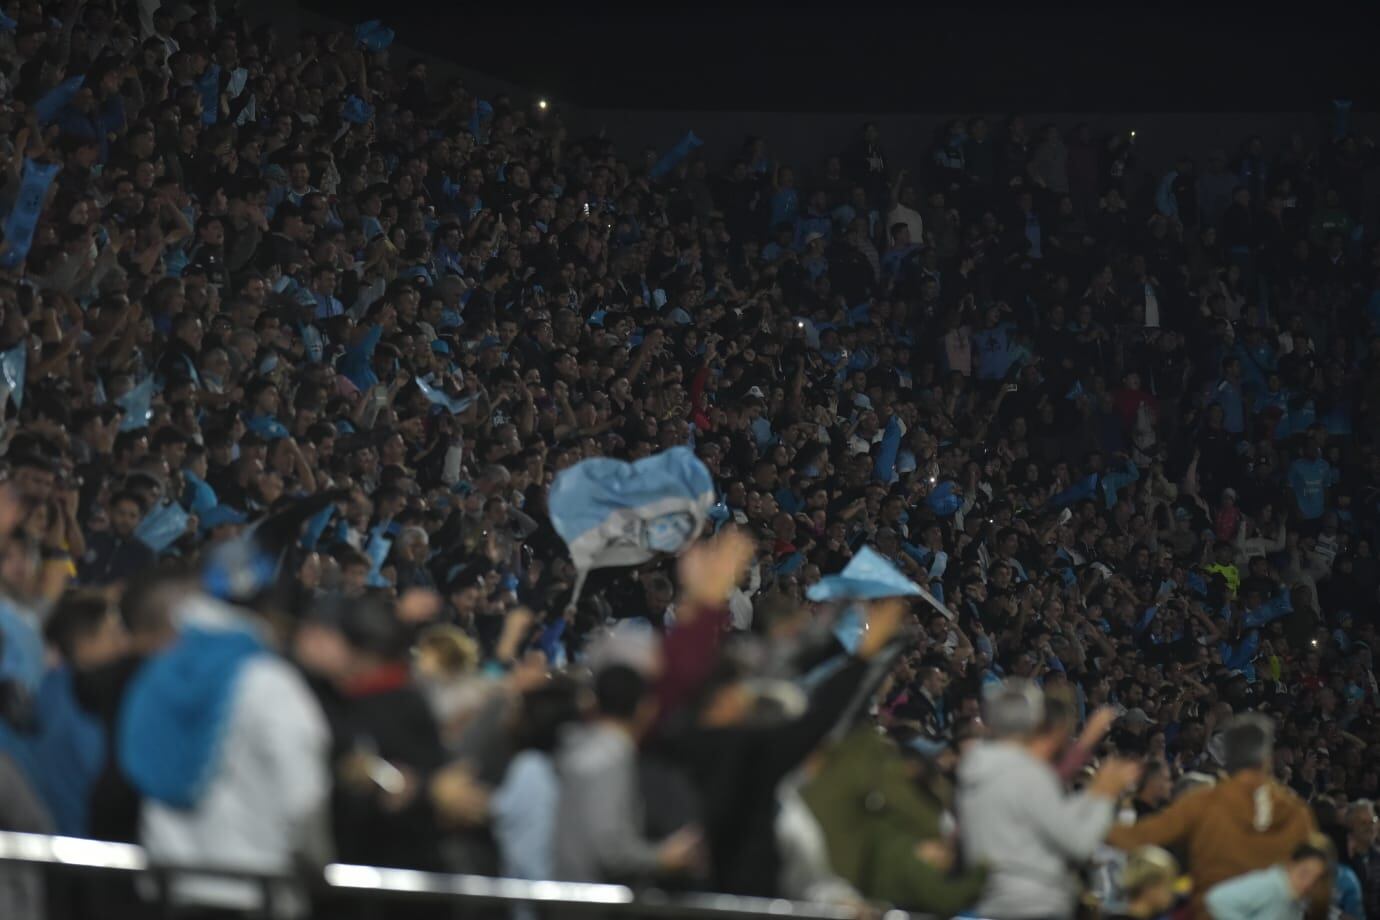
92	856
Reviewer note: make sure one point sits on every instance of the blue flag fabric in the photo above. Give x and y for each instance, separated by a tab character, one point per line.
161	527
21	648
671	158
1080	490
848	628
943	500
138	405
482	109
208	85
14	366
28	205
377	550
198	495
356	111
373	35
47	107
611	513
438	397
317	526
868	576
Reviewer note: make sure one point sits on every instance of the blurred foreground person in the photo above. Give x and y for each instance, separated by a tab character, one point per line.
21	810
224	739
599	821
1280	892
1249	821
884	835
1147	884
1014	815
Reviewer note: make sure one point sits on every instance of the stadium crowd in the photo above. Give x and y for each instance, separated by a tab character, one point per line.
294	337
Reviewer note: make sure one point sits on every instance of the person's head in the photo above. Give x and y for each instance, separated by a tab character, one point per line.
621	696
1248	743
1156	784
354	572
85	629
1360	823
1018	710
1148	881
34	477
544	711
1310	861
933	679
146	607
126	510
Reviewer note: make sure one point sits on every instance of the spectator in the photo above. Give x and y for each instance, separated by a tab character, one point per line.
1017	820
1148	882
1281	891
1245	823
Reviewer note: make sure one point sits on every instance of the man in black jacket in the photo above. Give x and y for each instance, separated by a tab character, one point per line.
116	554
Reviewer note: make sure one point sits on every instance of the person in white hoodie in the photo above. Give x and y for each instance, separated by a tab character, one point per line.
224	740
1015	817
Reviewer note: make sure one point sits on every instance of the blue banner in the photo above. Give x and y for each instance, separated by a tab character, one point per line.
161	527
28	206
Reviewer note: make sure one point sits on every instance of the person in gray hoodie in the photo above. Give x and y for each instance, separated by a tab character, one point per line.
1015	817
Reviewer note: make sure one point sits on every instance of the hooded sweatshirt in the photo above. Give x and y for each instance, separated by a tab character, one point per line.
1016	819
1247	822
229	749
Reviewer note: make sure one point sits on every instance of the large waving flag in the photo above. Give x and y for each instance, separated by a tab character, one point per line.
612	513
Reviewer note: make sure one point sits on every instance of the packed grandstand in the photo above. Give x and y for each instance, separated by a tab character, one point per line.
392	476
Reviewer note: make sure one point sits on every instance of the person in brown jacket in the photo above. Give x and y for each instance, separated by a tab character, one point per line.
1248	821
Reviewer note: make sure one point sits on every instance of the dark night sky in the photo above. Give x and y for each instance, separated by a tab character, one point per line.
863	57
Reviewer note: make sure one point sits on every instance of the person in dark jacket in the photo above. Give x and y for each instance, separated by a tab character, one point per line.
386	741
737	766
146	609
116	554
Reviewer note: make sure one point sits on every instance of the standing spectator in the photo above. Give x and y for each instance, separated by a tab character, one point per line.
1017	819
1245	823
1278	893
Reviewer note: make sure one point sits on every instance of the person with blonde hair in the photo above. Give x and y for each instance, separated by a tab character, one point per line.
1147	884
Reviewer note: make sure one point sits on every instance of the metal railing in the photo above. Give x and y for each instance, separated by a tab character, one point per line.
93	856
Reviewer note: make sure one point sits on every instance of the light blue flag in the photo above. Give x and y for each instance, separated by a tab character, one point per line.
849	627
14	365
356	111
138	406
611	513
868	576
317	526
377	550
438	397
28	205
671	158
198	495
47	107
161	527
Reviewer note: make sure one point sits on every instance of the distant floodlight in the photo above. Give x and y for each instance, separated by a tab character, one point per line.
541	104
